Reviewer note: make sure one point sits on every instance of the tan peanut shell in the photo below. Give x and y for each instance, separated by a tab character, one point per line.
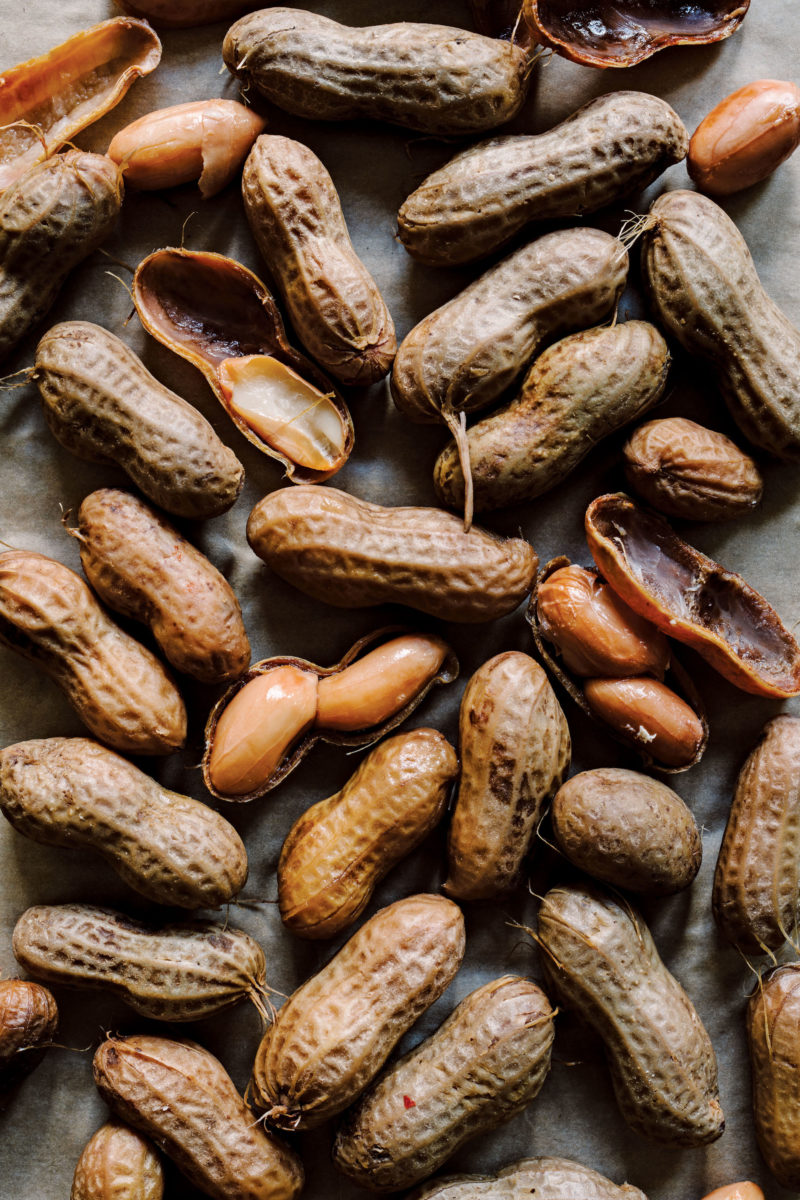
427	77
612	146
515	750
336	1031
50	220
773	1034
117	687
466	353
336	853
28	1024
117	1163
353	554
576	393
140	566
756	898
482	1066
600	959
705	289
546	1178
182	1097
168	847
296	218
103	405
175	973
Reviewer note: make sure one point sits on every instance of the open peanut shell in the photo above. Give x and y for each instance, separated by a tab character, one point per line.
691	598
679	681
220	317
620	33
47	100
362	737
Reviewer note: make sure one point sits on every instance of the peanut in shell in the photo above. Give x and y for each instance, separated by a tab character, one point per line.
28	1024
546	1178
117	1163
773	1034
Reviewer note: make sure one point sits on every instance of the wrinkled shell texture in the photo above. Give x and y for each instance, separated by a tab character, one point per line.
773	1029
546	1178
601	960
168	847
485	1064
117	1163
515	750
351	553
336	1031
427	77
182	1097
611	147
756	898
296	218
338	851
28	1024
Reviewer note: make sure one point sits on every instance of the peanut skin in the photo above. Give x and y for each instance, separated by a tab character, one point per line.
745	137
650	713
545	1178
117	1163
28	1024
773	1034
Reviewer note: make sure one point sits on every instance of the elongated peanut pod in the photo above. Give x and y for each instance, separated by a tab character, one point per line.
374	687
118	1163
543	1178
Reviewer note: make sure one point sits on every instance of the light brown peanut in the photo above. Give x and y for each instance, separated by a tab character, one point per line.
773	1034
652	714
545	1178
745	137
373	688
117	1163
28	1024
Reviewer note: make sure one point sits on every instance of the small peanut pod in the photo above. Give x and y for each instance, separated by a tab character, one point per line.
612	146
745	137
427	77
141	567
466	353
117	1163
176	973
756	899
515	751
182	1097
628	830
28	1024
103	405
545	1178
353	554
338	851
206	140
117	687
168	847
483	1066
296	219
650	713
335	1032
50	220
601	960
773	1034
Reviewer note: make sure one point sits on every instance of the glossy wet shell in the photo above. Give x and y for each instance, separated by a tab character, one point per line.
600	960
545	1178
28	1025
773	1031
168	847
427	77
117	1163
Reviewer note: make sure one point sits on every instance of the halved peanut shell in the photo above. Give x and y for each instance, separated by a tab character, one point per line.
692	598
303	729
221	318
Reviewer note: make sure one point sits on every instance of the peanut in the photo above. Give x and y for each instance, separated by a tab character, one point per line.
483	1065
545	1178
141	567
183	14
118	1164
427	77
182	1097
736	1191
773	1034
167	847
515	750
650	713
600	959
103	405
175	973
116	686
339	850
28	1023
296	218
745	137
373	688
337	1030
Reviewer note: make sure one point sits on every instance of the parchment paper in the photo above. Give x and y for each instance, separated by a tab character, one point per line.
48	1119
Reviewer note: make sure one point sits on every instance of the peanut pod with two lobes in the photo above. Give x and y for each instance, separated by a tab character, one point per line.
546	1178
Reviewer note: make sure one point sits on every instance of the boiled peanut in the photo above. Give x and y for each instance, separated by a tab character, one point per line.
515	751
652	714
184	14
103	405
427	77
296	218
338	851
28	1024
773	1034
736	1191
756	899
168	847
182	1097
628	830
601	960
116	686
481	1067
745	137
545	1178
337	1030
117	1163
141	567
373	688
175	973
